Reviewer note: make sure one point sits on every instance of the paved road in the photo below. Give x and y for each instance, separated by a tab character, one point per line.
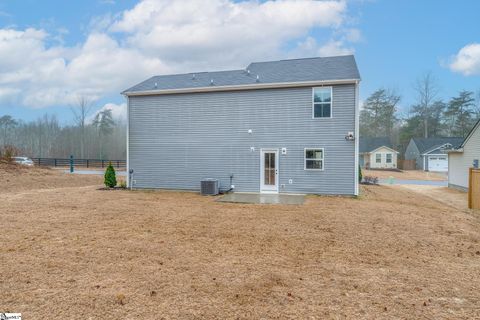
414	182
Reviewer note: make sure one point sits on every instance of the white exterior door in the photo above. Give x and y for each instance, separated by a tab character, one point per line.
438	163
269	170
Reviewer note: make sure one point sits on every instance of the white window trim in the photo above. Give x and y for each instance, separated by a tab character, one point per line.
305	158
386	157
331	102
378	154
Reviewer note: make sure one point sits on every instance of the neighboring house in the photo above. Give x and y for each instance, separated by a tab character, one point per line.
429	153
282	126
377	153
464	157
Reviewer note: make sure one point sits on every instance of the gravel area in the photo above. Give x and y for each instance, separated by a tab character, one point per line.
71	251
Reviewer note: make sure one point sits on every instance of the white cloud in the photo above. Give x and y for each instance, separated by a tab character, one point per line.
467	60
334	48
224	33
36	76
353	35
163	36
119	111
310	47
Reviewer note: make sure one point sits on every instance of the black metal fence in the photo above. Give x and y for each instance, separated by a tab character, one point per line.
84	163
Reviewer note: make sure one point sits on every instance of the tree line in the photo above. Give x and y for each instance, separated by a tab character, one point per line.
429	116
100	137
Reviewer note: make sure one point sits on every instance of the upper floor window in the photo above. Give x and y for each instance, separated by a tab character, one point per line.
322	102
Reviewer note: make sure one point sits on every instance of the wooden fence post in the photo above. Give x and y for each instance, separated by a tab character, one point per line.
470	184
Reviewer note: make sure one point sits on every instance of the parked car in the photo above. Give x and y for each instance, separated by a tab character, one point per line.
23	161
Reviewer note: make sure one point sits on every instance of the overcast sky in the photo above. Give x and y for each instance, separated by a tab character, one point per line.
53	51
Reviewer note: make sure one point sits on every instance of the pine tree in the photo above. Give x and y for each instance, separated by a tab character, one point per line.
460	112
110	177
378	115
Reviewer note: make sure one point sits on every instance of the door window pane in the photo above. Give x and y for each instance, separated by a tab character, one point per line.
269	168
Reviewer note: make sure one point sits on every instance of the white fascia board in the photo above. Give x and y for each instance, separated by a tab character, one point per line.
385	148
243	87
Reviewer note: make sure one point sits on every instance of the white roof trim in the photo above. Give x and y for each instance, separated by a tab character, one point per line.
470	134
435	148
459	150
242	87
385	148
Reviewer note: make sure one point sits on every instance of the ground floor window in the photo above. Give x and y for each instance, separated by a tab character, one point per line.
389	158
378	157
314	158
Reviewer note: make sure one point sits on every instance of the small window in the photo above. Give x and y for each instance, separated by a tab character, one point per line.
313	159
378	157
389	158
322	102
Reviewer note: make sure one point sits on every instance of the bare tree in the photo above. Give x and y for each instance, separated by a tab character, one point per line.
81	112
7	123
427	91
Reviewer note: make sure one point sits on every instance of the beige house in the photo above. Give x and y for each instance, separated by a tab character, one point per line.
462	158
377	153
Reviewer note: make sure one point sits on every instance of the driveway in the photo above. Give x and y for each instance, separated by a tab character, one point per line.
451	197
394	181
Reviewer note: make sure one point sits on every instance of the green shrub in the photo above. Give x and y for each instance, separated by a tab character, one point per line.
360	176
110	177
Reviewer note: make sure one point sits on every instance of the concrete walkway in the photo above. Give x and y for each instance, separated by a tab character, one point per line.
262	198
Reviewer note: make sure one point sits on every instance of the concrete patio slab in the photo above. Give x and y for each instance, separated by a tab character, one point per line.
262	198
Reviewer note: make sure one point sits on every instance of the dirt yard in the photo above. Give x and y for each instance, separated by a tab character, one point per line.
406	175
450	197
70	251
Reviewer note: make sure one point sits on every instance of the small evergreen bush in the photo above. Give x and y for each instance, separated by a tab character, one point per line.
360	176
110	177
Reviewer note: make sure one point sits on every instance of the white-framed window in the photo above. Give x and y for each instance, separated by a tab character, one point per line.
322	102
313	159
378	157
388	158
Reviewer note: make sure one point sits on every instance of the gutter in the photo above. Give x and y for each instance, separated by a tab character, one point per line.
242	87
459	150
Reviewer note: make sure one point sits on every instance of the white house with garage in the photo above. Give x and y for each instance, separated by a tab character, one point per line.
377	153
430	153
462	158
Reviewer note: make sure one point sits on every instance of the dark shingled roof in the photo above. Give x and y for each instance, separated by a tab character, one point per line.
370	144
283	71
427	144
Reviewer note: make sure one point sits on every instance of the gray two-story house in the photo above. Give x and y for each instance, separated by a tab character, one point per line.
288	126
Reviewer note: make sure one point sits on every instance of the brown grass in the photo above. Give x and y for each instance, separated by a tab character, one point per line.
79	253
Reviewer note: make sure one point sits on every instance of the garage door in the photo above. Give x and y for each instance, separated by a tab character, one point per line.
439	163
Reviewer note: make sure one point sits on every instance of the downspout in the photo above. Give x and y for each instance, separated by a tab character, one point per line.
357	136
127	142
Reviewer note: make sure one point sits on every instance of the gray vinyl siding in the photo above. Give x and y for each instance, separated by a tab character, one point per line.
412	152
178	139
